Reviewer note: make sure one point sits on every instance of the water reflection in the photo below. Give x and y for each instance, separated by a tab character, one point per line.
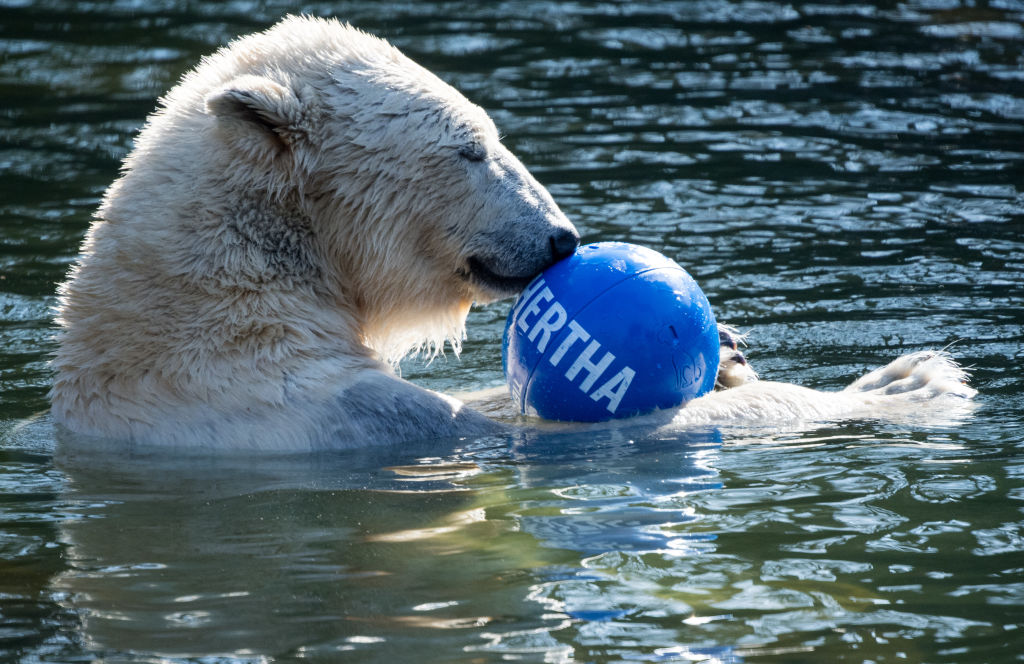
269	557
287	555
544	545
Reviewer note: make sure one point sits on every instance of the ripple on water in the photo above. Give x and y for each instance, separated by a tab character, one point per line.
1006	539
946	488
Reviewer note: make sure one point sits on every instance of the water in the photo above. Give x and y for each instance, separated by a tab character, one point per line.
844	179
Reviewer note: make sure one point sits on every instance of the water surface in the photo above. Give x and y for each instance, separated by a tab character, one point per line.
843	179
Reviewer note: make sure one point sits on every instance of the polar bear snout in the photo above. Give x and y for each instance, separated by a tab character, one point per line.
563	243
520	232
505	273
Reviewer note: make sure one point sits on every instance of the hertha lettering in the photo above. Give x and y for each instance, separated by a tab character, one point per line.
542	318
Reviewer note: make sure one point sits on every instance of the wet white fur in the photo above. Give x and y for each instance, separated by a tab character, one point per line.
294	217
905	383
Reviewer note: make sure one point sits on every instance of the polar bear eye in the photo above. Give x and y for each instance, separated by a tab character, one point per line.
472	153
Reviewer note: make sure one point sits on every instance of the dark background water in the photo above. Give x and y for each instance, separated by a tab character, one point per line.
845	179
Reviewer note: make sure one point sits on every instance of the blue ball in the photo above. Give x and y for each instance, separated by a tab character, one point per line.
613	331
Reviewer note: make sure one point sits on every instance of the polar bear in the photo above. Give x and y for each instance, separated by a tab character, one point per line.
305	207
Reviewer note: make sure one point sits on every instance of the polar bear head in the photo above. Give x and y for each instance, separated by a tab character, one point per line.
385	183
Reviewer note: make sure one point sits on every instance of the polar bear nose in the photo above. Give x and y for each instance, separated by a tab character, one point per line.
563	243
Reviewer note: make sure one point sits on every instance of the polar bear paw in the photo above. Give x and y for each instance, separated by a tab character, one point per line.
733	368
917	377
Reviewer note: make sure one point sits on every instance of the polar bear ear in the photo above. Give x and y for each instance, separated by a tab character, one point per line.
258	104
